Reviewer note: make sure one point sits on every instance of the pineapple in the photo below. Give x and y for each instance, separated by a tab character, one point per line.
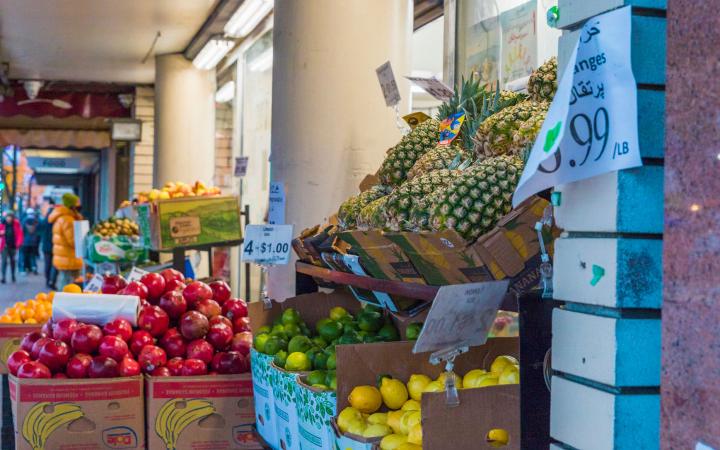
350	208
543	82
495	135
477	199
445	157
412	146
402	200
524	137
371	215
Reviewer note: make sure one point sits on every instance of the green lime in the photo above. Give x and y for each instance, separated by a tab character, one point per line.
319	341
279	328
350	326
320	360
299	343
331	379
370	321
388	333
260	341
349	338
298	362
331	330
274	344
304	329
337	312
413	331
290	316
316	377
292	329
372	308
321	323
311	354
331	362
280	358
346	319
265	329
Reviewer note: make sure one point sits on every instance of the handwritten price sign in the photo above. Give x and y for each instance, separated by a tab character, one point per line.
591	127
388	85
434	87
267	244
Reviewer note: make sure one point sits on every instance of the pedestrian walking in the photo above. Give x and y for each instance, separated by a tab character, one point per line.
46	245
31	241
63	218
11	238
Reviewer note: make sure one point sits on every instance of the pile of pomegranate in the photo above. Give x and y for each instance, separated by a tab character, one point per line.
183	329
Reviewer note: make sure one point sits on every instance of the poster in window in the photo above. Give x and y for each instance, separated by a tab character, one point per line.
483	50
519	41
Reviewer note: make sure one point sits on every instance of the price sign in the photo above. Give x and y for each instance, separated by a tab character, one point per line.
135	274
241	165
388	85
591	126
434	87
267	244
461	315
94	284
276	210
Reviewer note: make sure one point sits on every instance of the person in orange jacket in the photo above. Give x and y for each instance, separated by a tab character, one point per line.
63	218
11	237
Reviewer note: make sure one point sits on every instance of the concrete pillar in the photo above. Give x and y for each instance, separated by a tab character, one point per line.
184	121
330	123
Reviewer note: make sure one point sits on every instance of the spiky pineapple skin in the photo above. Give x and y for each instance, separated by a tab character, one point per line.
441	157
371	215
350	208
543	81
495	135
402	200
402	157
476	200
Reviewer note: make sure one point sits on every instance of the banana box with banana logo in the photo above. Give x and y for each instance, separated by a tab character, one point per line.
10	336
62	413
201	412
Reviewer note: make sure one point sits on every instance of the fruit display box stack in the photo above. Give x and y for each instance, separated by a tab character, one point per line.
487	417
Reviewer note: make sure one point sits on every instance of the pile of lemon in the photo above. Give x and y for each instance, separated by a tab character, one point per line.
35	310
400	427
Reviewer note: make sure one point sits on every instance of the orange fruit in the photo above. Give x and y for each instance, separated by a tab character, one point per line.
27	313
41	297
51	296
30	303
72	289
31	320
6	319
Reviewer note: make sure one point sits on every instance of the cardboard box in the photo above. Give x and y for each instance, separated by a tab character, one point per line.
285	391
10	337
189	221
99	413
263	397
464	426
315	409
223	417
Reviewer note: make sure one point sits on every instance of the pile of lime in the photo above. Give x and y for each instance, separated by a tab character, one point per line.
298	348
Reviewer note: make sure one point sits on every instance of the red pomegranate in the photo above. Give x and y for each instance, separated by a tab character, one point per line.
64	328
114	347
161	372
119	327
112	284
33	369
30	338
16	359
172	275
192	367
241	324
220	319
151	357
228	363
128	367
135	288
155	284
200	349
59	375
242	343
221	291
35	350
219	335
193	325
235	308
173	303
103	367
54	354
86	339
78	365
153	320
47	328
175	365
196	291
174	285
174	346
139	339
208	307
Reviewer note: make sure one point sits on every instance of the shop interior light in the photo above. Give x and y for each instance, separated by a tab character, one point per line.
247	16
263	62
214	50
226	92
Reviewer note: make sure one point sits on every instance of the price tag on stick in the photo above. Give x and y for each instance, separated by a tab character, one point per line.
388	85
267	244
461	315
591	126
434	87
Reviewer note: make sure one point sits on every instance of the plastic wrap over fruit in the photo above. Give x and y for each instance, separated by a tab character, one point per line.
97	309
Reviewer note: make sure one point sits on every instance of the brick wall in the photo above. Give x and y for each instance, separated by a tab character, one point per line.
142	158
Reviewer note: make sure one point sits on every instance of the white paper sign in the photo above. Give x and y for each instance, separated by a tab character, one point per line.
434	87
94	284
267	244
276	211
388	85
591	127
80	230
135	274
241	165
461	315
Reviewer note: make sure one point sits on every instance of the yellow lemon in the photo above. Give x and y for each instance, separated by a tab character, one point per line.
357	426
378	418
510	375
392	441
394	393
498	365
416	384
408	446
393	420
471	378
489	380
346	416
366	399
458	380
415	435
497	437
376	430
72	289
411	405
434	386
408	420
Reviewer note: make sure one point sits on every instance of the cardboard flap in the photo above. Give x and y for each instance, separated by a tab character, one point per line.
504	253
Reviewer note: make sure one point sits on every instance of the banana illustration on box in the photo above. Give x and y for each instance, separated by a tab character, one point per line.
39	424
8	348
173	418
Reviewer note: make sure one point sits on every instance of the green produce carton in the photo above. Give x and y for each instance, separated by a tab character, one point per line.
191	221
263	397
285	392
348	441
315	409
118	249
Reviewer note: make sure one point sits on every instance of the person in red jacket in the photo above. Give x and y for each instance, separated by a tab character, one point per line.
11	238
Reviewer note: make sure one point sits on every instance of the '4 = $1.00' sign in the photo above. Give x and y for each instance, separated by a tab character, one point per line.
461	315
267	244
591	126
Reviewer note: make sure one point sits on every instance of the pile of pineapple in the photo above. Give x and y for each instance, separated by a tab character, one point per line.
468	185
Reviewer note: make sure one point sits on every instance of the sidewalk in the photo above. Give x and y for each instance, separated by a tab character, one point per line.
26	287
